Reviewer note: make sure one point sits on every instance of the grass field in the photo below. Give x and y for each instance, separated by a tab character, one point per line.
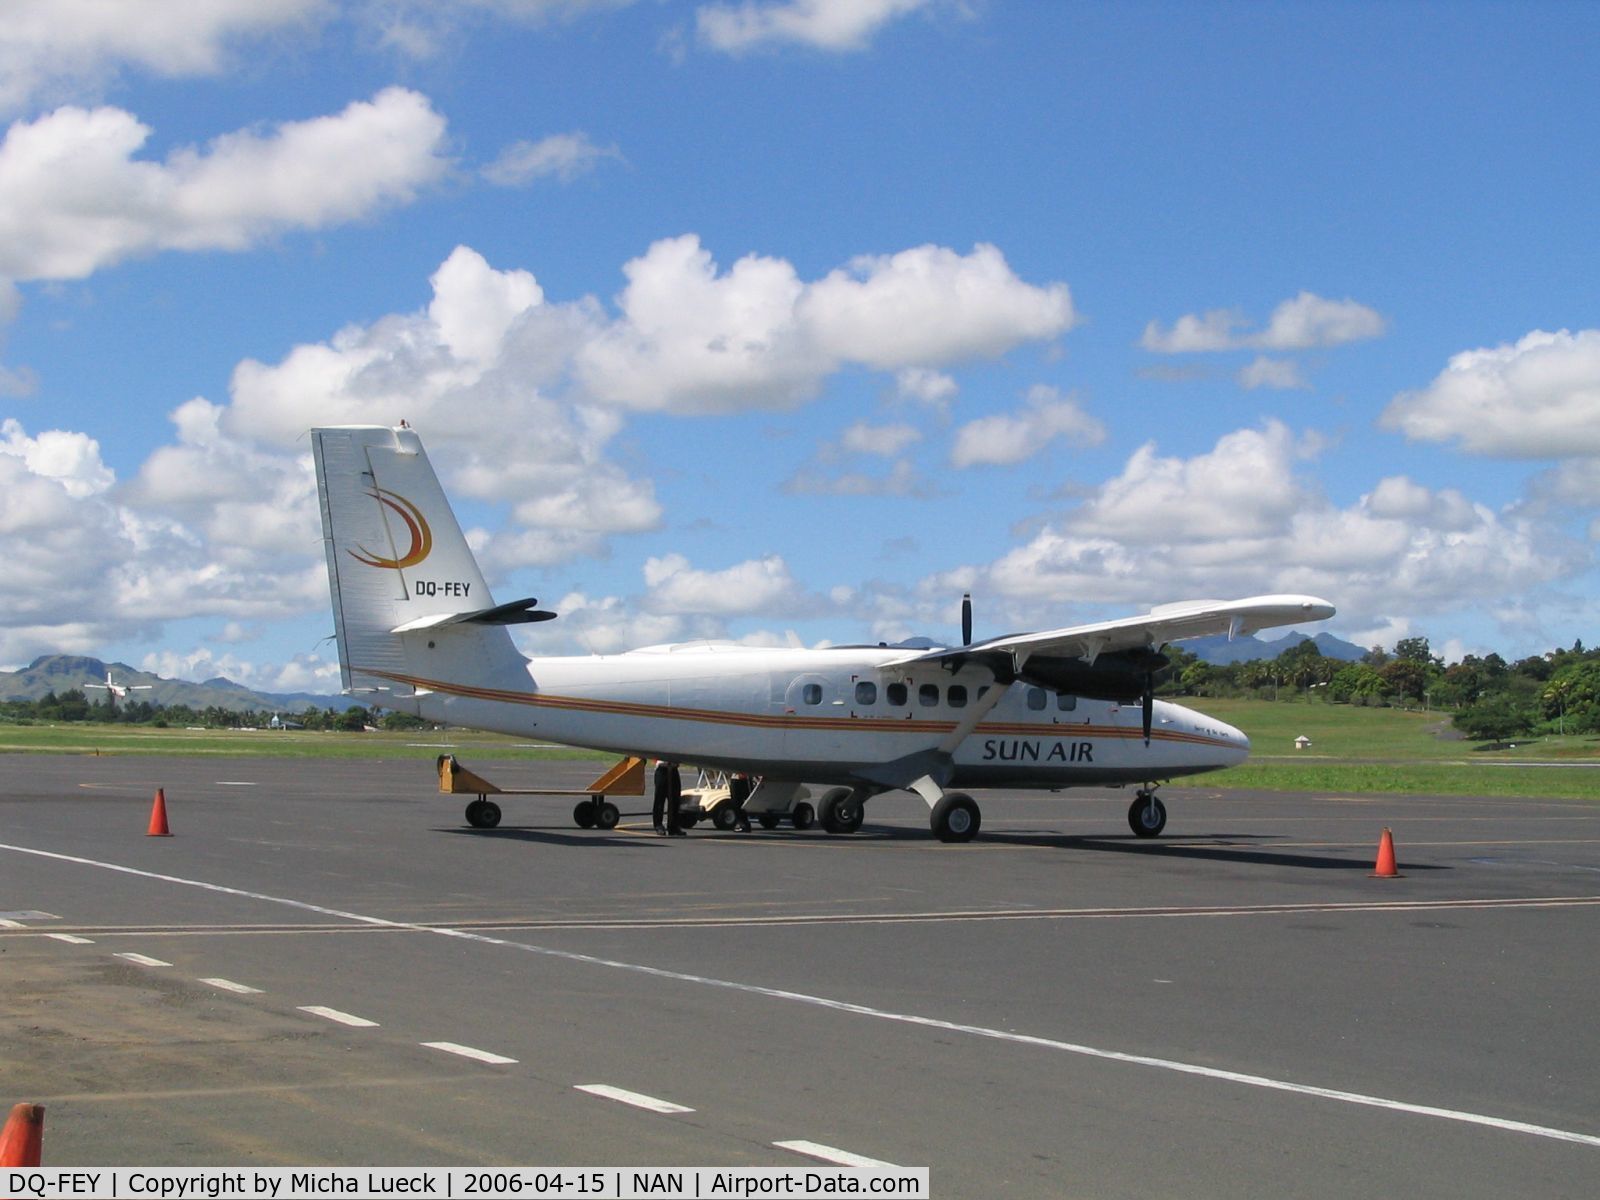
1352	750
1388	750
424	745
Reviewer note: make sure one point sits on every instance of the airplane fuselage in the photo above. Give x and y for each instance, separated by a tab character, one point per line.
832	716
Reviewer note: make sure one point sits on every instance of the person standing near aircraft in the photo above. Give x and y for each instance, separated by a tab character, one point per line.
668	792
738	793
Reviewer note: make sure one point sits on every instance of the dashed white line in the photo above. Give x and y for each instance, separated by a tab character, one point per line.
71	939
469	1052
8	923
229	985
623	1096
333	1014
824	1002
841	1158
143	960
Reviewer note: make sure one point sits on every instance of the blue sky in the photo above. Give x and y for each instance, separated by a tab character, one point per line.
790	320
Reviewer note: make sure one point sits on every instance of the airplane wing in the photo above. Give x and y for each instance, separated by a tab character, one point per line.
1163	624
1117	660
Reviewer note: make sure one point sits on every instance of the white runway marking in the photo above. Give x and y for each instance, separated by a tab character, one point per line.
71	939
143	960
841	1158
623	1096
333	1014
229	985
472	1052
1164	1064
8	923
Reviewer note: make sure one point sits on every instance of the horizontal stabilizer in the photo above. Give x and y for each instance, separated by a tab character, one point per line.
517	612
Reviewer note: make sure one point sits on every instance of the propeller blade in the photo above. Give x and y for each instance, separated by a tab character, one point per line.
966	618
1148	702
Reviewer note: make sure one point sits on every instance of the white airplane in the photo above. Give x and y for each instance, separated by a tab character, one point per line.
419	632
119	691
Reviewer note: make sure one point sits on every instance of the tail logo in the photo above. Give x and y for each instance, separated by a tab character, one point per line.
416	525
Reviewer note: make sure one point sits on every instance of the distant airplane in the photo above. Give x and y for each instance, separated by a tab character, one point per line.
119	691
419	632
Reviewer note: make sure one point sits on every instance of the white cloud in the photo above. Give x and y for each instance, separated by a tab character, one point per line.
565	156
1279	374
756	585
1304	322
903	479
302	673
833	25
926	386
694	339
1238	520
53	48
71	459
1538	398
929	306
1004	439
74	198
884	441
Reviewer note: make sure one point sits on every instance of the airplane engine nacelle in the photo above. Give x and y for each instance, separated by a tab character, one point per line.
1120	677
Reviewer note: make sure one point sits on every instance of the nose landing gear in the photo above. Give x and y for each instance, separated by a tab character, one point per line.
1147	816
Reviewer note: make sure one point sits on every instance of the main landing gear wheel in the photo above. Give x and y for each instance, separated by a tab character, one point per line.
955	818
1147	816
483	814
583	814
841	811
803	816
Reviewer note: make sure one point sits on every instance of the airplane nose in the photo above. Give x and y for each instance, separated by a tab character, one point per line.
1238	748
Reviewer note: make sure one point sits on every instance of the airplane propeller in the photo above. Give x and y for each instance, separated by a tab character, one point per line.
966	618
1147	703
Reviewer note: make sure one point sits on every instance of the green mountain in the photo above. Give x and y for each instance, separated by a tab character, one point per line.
65	672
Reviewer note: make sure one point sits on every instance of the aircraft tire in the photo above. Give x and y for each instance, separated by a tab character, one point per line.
803	816
607	815
839	812
768	820
955	818
1147	816
583	814
483	814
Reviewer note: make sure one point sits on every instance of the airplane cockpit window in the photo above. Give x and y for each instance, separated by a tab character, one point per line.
1037	699
1066	703
812	693
956	696
928	695
866	692
896	694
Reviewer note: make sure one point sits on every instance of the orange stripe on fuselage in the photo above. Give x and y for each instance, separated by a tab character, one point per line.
788	721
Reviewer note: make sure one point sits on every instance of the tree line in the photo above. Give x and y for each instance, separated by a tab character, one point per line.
1489	698
73	705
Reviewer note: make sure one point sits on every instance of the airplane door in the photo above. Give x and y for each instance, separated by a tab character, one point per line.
815	718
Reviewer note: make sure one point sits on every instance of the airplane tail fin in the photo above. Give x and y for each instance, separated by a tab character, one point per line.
410	604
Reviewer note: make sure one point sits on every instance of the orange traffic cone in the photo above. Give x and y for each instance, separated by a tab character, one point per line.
23	1136
1385	868
158	816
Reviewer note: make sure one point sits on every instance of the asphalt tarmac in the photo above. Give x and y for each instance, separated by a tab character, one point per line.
1056	1009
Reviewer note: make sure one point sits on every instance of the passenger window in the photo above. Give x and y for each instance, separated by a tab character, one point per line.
896	694
957	696
1065	702
1036	699
866	692
928	695
812	693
